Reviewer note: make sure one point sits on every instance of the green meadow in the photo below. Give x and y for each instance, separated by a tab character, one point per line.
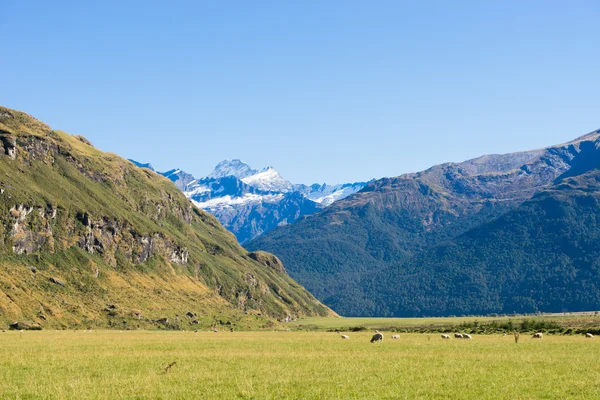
547	323
293	365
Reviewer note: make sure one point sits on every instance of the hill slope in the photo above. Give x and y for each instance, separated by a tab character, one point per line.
335	253
89	239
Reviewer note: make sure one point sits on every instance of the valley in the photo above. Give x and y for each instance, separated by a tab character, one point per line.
292	365
303	200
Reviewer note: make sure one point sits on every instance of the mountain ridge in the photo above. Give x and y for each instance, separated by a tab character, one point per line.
540	256
392	219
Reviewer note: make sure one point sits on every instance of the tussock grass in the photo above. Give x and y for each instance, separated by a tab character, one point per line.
292	365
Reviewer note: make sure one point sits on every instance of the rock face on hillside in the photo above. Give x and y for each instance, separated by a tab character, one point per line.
268	260
80	229
339	253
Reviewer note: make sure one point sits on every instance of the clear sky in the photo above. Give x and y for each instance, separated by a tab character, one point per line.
323	90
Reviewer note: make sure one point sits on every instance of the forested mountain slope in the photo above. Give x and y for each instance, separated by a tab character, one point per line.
337	253
542	256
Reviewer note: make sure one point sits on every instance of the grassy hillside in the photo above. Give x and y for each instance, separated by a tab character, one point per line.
89	239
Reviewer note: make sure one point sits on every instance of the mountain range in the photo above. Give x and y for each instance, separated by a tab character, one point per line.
496	234
87	239
250	202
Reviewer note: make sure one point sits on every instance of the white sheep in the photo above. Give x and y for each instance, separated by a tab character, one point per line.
466	336
589	335
537	335
396	337
458	336
444	336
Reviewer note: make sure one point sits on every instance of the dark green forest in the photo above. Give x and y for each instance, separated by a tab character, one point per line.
446	242
543	256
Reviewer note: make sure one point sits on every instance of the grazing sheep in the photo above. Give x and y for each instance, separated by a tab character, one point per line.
537	335
378	337
466	336
589	335
444	336
396	337
458	336
344	336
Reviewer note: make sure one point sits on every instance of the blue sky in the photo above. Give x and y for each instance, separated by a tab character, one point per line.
330	91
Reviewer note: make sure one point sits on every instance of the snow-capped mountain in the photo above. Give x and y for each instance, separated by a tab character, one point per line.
250	202
235	168
269	180
326	194
183	180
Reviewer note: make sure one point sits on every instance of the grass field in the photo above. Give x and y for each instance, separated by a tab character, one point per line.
569	323
292	365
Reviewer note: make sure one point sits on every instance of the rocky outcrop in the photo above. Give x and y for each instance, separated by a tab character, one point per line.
9	145
32	229
57	281
267	259
29	230
25	326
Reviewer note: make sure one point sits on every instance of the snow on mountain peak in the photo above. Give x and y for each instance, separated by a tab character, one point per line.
268	179
234	167
250	202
